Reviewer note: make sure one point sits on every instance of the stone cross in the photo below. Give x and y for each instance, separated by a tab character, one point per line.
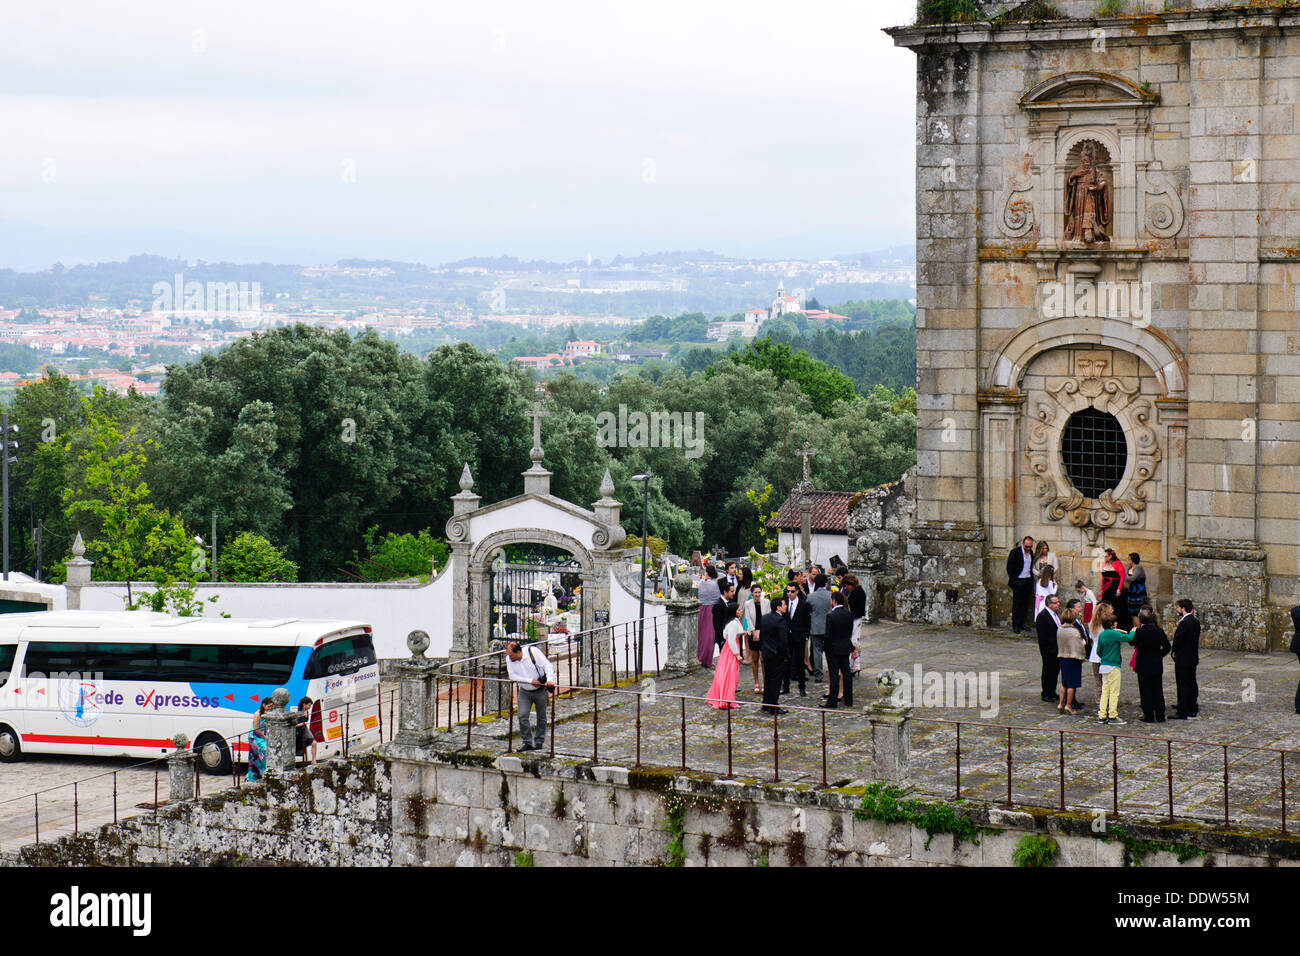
537	414
806	453
805	507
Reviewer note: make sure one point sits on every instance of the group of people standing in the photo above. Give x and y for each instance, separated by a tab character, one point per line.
1033	576
1086	630
784	637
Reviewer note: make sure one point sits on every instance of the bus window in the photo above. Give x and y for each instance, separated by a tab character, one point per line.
48	657
7	654
195	663
347	655
122	661
256	664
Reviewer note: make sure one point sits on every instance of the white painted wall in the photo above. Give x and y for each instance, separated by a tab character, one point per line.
393	610
823	546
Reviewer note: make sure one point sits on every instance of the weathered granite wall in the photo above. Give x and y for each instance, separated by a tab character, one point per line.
334	814
879	520
467	809
419	806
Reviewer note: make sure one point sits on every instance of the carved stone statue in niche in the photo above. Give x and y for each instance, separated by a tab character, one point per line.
1087	201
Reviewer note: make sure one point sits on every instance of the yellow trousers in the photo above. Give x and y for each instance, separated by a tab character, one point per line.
1109	705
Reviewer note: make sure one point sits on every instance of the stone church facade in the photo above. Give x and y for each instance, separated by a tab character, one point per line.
1108	255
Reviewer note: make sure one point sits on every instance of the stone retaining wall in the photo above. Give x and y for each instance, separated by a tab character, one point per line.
334	814
414	806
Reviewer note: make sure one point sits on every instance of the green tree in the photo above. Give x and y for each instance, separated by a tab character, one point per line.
821	383
47	412
250	557
131	538
396	556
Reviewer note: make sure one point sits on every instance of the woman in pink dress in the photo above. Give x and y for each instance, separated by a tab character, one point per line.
722	693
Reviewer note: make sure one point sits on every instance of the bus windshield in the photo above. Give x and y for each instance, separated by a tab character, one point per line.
342	656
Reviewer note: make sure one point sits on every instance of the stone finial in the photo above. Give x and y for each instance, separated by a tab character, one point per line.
181	741
280	697
78	547
607	485
417	642
466	479
683	586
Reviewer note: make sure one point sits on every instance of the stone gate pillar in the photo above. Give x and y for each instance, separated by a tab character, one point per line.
463	626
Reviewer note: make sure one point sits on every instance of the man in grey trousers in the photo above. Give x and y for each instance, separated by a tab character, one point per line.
819	605
534	678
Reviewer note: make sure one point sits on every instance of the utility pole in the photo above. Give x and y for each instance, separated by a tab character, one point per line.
6	460
214	547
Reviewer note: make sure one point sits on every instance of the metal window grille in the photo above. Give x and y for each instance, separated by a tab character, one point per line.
1094	451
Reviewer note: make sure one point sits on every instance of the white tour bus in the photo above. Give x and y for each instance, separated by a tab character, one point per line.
123	683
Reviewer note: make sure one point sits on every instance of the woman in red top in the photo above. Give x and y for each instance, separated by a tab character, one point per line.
1112	587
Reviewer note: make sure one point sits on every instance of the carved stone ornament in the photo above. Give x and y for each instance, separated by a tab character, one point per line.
1164	214
1048	416
1015	216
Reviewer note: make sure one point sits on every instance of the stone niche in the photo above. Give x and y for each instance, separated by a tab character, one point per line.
1101	119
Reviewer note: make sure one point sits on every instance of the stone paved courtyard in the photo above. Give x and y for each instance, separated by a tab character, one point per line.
1245	699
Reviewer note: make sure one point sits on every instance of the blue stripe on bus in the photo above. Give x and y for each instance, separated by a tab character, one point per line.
245	698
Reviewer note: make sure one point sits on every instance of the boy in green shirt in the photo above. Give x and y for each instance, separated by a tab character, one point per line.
1108	651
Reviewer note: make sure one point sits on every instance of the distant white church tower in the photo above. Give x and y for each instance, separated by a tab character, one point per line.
784	303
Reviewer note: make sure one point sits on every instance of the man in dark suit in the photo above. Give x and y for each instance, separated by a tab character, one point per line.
773	638
1020	578
839	647
799	615
1295	649
1186	647
722	615
1048	623
1150	645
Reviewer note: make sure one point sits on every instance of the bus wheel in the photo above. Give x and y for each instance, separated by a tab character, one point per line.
213	753
10	747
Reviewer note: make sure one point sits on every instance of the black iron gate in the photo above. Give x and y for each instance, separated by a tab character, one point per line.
518	585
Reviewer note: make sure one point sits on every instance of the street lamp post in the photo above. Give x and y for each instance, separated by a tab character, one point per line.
9	445
645	506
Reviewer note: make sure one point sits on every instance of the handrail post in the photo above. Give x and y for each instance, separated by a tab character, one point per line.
1283	756
1169	765
683	700
1061	741
1008	767
957	793
729	773
824	783
1225	785
776	748
1114	772
595	725
655	621
510	721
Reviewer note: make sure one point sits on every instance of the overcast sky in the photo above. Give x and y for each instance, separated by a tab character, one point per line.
429	130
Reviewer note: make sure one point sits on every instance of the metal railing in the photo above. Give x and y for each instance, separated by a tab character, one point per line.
593	655
807	729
